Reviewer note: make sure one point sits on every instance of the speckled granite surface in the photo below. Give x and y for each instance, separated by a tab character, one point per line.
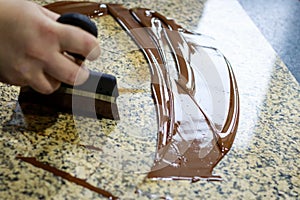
263	162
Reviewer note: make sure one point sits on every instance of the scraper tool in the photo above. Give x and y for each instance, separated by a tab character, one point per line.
94	98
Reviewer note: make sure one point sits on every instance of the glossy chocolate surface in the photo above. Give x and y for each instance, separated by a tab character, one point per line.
189	143
191	137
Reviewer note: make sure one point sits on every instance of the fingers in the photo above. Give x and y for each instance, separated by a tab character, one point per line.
54	16
76	40
44	83
64	70
58	67
37	79
46	77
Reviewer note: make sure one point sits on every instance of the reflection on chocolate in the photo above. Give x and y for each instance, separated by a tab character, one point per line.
190	142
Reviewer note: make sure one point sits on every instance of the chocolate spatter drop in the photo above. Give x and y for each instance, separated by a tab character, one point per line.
189	142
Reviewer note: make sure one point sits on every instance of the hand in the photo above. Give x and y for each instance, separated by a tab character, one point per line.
32	46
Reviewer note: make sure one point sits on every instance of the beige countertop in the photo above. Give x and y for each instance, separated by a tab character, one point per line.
263	162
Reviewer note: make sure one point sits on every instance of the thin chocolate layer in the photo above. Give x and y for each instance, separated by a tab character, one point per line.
181	153
189	143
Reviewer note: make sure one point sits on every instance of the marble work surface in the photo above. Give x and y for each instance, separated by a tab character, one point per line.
263	162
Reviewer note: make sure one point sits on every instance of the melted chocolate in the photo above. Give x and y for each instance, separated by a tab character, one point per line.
66	176
189	143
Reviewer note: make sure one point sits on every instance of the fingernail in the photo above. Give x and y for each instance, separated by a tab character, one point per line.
94	54
82	75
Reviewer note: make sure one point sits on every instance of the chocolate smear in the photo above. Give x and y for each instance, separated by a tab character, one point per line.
190	143
66	176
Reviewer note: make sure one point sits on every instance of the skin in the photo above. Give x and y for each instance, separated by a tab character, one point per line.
32	46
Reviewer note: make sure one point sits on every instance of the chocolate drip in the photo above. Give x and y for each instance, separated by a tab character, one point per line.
189	143
66	176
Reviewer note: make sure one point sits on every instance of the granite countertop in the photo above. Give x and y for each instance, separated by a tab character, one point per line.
262	163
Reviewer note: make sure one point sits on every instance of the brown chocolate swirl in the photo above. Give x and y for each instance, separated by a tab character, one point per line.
189	141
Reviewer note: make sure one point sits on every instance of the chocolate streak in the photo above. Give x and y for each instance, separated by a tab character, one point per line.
66	176
181	152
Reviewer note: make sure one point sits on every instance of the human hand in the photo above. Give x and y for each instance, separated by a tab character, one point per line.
32	46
